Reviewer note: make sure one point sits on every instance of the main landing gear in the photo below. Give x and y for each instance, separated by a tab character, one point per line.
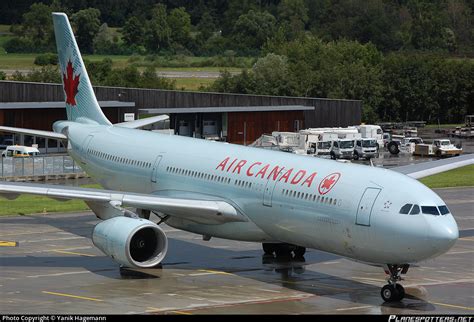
281	250
393	292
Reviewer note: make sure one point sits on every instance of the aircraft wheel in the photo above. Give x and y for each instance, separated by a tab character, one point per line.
390	293
283	250
299	251
401	291
268	248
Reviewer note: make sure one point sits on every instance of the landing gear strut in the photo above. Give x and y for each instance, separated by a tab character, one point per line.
393	292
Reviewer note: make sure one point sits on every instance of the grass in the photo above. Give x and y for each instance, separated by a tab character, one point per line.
192	84
29	204
5	29
460	177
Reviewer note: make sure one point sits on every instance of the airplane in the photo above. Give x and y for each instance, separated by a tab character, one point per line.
286	202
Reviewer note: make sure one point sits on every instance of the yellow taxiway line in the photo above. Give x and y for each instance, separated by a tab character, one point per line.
74	296
72	253
455	306
4	243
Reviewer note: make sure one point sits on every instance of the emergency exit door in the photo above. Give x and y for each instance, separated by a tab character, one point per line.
366	204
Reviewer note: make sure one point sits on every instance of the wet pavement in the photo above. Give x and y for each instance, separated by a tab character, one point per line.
56	269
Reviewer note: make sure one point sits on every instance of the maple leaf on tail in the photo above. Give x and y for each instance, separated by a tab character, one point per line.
71	84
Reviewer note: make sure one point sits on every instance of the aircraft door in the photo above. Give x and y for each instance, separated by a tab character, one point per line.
85	146
366	204
154	173
269	188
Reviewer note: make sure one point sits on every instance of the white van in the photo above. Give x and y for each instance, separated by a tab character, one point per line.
19	151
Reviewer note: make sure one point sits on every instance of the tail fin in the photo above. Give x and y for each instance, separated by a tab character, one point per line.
81	102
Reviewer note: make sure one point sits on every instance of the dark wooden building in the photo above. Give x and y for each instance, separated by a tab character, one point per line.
236	118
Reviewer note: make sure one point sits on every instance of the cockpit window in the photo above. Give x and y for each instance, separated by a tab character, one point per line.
406	209
430	210
443	210
415	210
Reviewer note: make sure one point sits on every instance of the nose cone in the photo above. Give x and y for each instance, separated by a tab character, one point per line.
444	234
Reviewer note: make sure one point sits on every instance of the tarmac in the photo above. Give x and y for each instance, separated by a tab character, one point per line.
54	268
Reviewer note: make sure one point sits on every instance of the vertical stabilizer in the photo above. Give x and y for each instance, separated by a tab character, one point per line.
81	103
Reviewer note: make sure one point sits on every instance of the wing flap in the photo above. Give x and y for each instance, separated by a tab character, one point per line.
425	169
142	122
199	211
45	134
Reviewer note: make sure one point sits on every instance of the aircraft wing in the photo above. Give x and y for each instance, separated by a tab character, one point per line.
143	122
424	169
45	134
199	211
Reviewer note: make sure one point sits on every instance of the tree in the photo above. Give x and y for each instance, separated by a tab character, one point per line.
37	24
179	22
86	23
427	25
271	75
133	32
293	15
253	29
206	27
105	42
158	31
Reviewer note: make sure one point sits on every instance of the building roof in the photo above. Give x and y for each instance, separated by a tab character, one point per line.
224	109
48	105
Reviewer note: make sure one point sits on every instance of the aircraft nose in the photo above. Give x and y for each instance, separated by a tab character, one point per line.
444	236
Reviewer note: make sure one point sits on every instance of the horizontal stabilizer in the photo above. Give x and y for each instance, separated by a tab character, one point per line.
425	169
143	122
44	134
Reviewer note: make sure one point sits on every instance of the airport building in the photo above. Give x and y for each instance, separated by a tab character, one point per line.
235	118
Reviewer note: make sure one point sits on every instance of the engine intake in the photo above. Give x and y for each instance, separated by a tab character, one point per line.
131	242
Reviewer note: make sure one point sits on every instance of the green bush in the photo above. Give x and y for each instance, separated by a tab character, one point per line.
46	59
19	45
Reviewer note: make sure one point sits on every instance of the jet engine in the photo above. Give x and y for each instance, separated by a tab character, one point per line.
132	242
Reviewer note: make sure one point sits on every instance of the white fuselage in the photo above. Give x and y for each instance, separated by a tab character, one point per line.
351	210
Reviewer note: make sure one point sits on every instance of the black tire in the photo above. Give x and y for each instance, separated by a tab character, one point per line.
268	248
333	156
393	148
299	251
389	293
438	154
401	292
356	155
283	251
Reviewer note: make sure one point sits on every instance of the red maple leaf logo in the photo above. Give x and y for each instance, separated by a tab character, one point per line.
328	182
71	83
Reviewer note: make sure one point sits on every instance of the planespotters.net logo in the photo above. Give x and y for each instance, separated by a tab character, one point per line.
443	318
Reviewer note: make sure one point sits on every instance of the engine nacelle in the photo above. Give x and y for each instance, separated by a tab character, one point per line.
131	242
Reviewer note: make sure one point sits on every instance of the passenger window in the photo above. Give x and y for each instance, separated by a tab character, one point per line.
430	210
415	210
406	209
443	210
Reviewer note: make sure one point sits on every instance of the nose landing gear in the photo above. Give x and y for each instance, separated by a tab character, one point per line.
393	292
